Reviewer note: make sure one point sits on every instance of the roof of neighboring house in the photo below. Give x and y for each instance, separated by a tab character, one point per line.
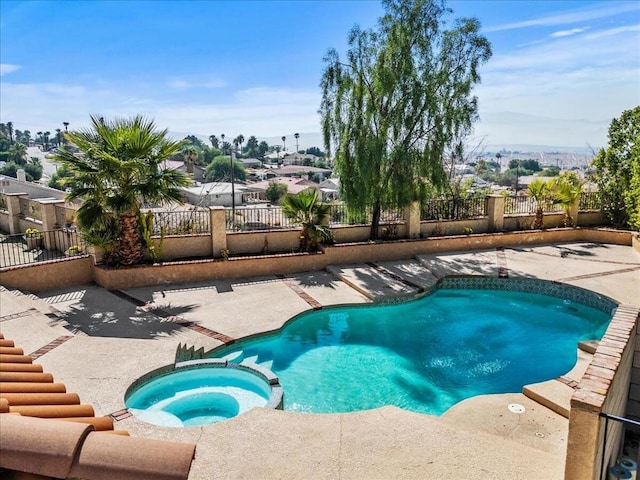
215	188
294	185
249	161
47	431
333	182
293	169
171	165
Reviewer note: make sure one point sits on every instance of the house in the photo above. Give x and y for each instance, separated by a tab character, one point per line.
33	190
330	189
302	171
299	158
214	194
198	174
294	185
250	162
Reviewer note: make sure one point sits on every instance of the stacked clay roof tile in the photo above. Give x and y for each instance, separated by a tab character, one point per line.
46	431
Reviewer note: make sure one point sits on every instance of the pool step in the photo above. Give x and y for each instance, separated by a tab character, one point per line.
556	394
233	357
268	364
252	360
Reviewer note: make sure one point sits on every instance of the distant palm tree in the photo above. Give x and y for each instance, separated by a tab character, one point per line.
222	137
66	126
120	171
214	141
190	155
17	153
46	140
539	190
297	135
59	136
240	140
10	128
284	145
39	138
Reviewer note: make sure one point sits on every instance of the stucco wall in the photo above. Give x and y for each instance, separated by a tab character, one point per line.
454	227
251	243
177	272
43	276
187	246
603	388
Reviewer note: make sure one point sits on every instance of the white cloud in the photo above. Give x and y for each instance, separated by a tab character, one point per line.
181	83
570	16
568	33
6	68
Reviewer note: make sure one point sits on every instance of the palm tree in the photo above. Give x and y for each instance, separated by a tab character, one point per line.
190	155
17	153
567	191
119	171
59	136
539	190
306	209
284	145
222	137
297	135
39	137
240	139
214	141
10	128
46	140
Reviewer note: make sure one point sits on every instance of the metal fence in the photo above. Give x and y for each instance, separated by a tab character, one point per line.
453	208
525	205
590	201
339	214
181	222
258	218
22	249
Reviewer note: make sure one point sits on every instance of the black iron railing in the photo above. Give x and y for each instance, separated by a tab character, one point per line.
37	246
625	422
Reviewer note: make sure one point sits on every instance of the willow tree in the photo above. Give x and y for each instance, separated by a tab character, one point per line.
399	99
120	169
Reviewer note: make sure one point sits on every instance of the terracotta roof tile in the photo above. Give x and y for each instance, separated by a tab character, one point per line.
67	431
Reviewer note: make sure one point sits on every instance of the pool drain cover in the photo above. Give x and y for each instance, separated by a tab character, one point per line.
516	408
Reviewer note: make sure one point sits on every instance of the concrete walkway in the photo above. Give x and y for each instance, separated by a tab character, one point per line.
116	337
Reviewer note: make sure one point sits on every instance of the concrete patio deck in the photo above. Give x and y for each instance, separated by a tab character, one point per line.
118	337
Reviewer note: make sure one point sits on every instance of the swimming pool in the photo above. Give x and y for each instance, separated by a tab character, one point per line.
423	355
201	393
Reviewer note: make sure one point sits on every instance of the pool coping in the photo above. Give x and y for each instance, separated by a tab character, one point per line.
276	396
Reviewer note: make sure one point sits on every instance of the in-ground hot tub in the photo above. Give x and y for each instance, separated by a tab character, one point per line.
200	392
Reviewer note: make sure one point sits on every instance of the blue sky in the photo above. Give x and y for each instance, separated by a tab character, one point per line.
560	71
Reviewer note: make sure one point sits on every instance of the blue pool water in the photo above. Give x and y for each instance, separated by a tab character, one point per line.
423	355
191	397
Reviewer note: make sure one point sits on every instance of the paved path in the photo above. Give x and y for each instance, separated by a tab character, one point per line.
98	342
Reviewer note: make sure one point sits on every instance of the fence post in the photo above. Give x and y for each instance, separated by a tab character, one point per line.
575	208
495	212
218	230
411	215
13	206
49	223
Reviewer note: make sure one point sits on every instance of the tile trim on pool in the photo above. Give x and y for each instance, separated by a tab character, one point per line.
531	285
